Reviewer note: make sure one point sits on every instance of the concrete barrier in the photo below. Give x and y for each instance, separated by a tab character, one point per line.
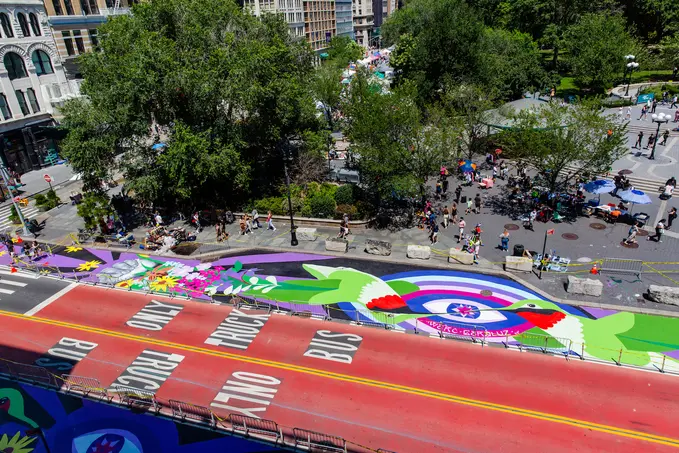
306	234
518	263
664	294
375	247
419	252
336	245
586	286
459	256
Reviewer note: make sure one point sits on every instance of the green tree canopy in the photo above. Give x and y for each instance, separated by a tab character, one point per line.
597	44
344	50
225	88
563	142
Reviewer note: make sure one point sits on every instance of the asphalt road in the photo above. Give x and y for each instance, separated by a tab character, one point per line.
404	393
21	292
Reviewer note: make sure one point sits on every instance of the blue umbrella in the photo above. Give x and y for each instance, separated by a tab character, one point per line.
635	196
158	146
467	166
600	186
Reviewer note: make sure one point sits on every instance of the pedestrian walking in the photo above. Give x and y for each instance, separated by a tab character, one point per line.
469	206
651	140
644	111
620	112
640	138
461	226
458	193
629	113
255	220
195	219
453	213
504	240
671	215
439	190
654	105
446	217
674	102
269	221
665	136
659	230
477	203
434	235
477	249
345	217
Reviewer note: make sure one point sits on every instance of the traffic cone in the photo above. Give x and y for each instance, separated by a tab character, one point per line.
13	269
594	270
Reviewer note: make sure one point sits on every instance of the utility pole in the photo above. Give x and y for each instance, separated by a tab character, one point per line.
5	179
543	261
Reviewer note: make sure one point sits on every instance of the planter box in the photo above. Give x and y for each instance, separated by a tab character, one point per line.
375	247
306	234
336	245
518	263
419	252
459	256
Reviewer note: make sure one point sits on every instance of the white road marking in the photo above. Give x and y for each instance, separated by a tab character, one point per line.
50	299
6	291
4	281
19	274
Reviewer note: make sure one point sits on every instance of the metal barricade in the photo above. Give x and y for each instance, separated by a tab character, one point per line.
136	398
318	441
31	373
262	427
307	311
462	331
373	318
253	304
622	266
544	343
190	411
85	385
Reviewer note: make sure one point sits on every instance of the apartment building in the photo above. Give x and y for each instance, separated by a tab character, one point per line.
344	18
319	23
32	84
363	21
74	26
292	10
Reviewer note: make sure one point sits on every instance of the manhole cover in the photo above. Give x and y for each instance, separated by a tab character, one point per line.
642	233
631	245
597	226
511	227
570	236
486	292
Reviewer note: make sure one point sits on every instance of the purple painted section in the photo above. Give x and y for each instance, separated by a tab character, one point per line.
271	258
673	354
104	255
600	312
472	285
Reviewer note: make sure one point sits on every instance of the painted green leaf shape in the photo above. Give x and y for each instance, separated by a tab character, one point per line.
402	287
237	266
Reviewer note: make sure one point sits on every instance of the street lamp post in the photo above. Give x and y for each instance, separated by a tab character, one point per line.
5	179
660	118
293	234
631	66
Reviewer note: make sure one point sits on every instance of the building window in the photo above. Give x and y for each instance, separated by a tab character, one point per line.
4	107
23	24
22	102
68	42
33	100
15	66
42	62
57	8
79	41
89	7
69	7
6	26
110	4
93	38
35	25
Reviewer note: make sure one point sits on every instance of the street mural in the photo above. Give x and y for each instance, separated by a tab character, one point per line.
73	425
405	297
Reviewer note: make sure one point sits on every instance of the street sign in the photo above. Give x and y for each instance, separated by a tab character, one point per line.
47	178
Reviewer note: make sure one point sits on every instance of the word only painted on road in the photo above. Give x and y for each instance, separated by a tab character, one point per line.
238	330
66	354
148	371
247	393
154	316
334	346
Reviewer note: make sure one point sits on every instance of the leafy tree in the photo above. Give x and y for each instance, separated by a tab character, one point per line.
94	207
311	164
597	45
226	89
398	148
653	20
511	63
669	49
328	90
344	50
558	137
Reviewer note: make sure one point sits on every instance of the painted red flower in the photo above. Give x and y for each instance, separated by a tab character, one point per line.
388	302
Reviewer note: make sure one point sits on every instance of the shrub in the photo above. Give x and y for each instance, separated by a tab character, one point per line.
346	209
94	208
273	204
14	215
344	195
40	200
322	206
364	210
53	199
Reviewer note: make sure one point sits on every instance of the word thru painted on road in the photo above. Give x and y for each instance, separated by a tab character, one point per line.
64	355
334	346
148	371
238	330
154	316
247	393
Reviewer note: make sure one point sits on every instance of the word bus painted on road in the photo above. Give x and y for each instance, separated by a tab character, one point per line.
238	330
334	346
148	371
247	393
154	316
64	355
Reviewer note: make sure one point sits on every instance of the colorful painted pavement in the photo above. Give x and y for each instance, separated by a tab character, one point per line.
408	298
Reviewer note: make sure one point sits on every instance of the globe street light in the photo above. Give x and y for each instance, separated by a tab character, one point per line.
631	66
660	118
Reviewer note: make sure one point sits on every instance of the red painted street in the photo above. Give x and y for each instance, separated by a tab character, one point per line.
400	392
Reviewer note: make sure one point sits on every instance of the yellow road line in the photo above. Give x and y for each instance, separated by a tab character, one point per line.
359	380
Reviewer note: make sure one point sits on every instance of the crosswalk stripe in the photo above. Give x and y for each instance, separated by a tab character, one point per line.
4	281
19	274
6	291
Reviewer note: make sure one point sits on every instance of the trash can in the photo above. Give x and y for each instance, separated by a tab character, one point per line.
518	250
463	200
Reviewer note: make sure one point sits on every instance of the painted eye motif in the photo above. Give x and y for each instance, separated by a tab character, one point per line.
107	441
531	305
464	311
